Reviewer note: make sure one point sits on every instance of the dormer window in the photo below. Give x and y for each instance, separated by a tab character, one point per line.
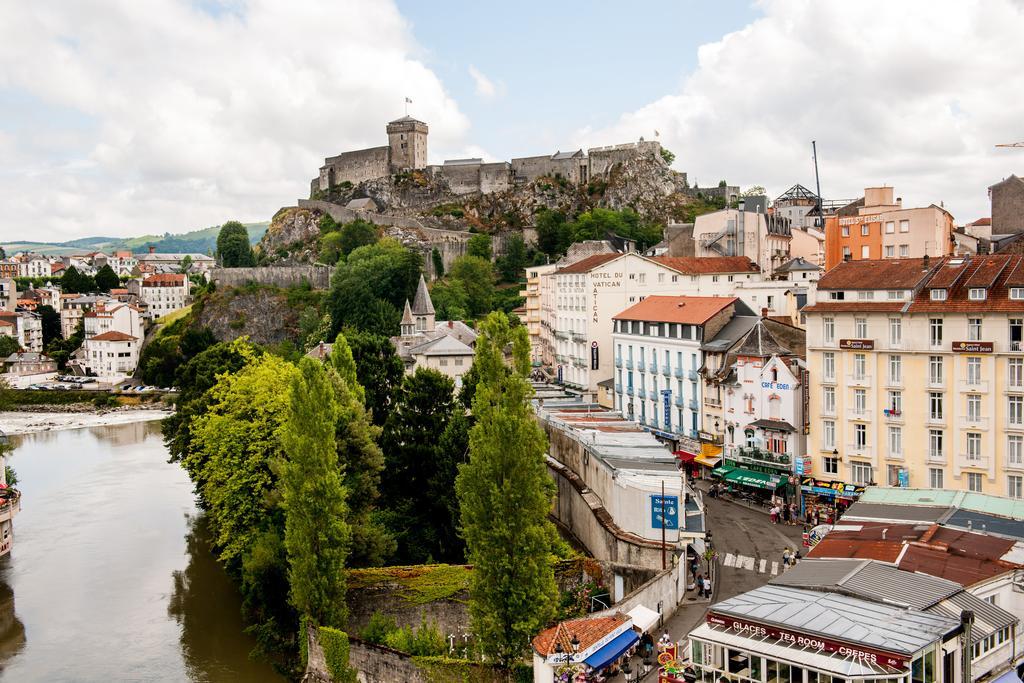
837	296
1017	293
938	294
865	295
976	294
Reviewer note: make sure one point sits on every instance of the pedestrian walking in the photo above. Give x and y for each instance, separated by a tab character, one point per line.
785	513
793	559
700	585
786	554
707	587
773	515
793	512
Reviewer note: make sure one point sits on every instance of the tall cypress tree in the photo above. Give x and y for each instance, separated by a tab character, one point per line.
505	495
316	532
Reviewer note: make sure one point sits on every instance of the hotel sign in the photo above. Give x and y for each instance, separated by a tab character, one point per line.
857	344
861	653
972	347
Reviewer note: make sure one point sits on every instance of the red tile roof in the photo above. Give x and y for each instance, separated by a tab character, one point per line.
691	310
982	221
877	274
699	265
997	271
588	264
112	336
164	280
855	307
587	632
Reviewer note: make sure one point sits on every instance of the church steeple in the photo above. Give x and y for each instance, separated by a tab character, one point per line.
408	325
423	308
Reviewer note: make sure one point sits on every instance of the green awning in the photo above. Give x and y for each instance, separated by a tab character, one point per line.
757	480
721	471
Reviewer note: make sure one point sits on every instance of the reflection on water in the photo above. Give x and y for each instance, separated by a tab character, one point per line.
112	570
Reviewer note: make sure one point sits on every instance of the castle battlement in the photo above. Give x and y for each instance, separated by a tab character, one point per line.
407	150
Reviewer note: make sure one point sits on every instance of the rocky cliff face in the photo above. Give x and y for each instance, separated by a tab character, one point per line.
645	185
264	315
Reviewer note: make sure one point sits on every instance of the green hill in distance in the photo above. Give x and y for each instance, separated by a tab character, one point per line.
196	242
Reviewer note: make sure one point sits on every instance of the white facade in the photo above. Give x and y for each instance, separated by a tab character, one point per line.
34	266
114	317
763	238
112	356
165	293
766	398
647	366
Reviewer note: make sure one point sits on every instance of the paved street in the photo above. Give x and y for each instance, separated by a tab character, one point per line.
749	554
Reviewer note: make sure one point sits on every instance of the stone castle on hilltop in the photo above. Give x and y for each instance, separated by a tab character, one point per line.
407	151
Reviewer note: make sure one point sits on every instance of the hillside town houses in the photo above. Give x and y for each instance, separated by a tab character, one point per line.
113	324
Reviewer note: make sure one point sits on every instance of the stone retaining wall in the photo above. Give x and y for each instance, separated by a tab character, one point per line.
318	276
379	664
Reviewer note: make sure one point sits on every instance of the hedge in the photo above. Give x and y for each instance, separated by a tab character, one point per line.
447	670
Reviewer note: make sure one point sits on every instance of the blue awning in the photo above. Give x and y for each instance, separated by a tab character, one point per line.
613	650
1008	677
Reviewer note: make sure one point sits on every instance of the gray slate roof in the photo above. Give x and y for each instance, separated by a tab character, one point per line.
870	580
761	343
421	304
882	512
894	629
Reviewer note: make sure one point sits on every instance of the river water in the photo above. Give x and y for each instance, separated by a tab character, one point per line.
111	577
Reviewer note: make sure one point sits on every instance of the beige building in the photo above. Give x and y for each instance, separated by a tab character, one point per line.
762	237
533	319
918	374
164	293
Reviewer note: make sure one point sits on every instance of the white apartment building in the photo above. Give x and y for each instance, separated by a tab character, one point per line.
73	309
658	359
34	265
113	316
534	318
25	327
111	356
164	292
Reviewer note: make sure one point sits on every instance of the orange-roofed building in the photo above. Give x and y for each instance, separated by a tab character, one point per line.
658	358
593	642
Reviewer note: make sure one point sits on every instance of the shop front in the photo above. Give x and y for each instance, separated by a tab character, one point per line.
825	501
584	650
810	637
756	485
699	456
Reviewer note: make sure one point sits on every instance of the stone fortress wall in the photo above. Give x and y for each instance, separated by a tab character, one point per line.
407	150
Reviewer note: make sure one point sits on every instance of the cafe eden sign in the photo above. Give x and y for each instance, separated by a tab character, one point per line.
857	344
858	652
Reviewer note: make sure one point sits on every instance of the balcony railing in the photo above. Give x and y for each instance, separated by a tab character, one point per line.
713	402
969	387
968	460
641	393
678	372
936	458
693	375
629	390
629	363
861	451
618	362
618	388
679	401
653	366
693	405
973	422
578	336
1016	346
859	380
858	415
559	334
758	455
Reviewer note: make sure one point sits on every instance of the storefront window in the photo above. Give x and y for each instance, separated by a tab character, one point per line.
756	667
922	669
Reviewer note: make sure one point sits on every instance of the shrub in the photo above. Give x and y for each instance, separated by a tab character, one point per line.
378	628
335	646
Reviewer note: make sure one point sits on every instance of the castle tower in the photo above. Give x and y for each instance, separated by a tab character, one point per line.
407	138
423	308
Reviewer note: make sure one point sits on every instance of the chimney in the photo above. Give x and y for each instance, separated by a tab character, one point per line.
899	202
450	325
764	312
152	249
884	532
927	262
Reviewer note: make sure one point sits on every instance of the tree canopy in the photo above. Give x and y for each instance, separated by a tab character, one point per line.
505	495
233	248
107	279
476	276
76	282
371	286
479	245
555	232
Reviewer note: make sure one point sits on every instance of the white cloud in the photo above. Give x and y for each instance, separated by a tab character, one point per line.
182	118
912	94
485	87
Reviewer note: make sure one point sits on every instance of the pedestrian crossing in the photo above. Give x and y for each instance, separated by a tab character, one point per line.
751	564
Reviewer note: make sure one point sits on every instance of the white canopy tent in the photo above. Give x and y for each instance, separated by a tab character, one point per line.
644	618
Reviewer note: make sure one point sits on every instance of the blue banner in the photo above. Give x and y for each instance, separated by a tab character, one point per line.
666	398
665	512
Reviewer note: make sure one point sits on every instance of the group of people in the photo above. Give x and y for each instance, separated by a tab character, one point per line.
790	557
781	513
701	583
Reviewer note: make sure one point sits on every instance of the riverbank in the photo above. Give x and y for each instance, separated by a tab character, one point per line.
32	421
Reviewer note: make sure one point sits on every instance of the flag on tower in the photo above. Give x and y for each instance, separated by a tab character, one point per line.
408	101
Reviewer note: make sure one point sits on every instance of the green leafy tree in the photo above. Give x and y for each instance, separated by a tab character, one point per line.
505	494
360	460
233	445
330	248
107	279
316	533
194	379
479	245
386	272
450	300
599	224
554	234
668	156
358	233
512	264
435	257
50	320
477	278
75	282
60	350
233	248
327	224
8	345
425	405
186	265
379	371
754	191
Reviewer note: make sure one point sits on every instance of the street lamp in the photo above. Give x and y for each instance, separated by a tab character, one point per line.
575	643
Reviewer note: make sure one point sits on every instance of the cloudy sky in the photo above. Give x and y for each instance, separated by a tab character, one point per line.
121	117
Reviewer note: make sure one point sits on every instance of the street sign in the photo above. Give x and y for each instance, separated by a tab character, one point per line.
666	398
664	512
594	360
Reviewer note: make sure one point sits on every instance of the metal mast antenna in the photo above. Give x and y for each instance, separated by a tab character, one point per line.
817	182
